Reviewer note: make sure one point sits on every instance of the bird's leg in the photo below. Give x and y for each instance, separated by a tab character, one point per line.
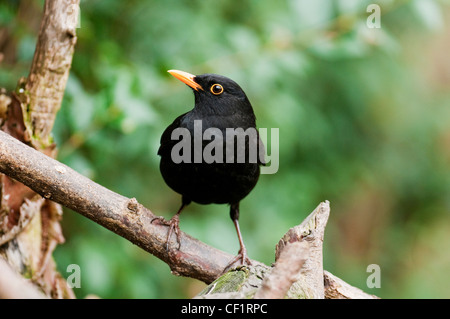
174	225
242	254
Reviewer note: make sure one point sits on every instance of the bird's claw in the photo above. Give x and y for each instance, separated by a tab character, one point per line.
241	257
174	227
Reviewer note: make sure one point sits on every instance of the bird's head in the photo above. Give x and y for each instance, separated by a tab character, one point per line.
215	94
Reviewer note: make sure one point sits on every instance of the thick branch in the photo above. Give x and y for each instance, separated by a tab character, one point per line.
277	283
336	288
28	223
310	278
14	286
124	216
129	219
51	64
296	274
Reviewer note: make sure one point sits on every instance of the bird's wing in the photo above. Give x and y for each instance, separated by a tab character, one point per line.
166	142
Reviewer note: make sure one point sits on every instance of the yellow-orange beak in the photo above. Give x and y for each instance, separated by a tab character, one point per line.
186	78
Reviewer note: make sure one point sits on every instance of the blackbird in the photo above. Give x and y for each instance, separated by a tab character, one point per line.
222	107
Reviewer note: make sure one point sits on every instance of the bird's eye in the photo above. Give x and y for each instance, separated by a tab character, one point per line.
216	89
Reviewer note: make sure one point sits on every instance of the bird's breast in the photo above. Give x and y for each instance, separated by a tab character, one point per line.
215	160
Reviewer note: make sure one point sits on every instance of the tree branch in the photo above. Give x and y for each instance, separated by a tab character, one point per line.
277	283
297	273
310	278
29	224
336	288
129	219
14	286
124	216
51	65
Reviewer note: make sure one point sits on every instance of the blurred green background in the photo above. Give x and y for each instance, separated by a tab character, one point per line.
364	119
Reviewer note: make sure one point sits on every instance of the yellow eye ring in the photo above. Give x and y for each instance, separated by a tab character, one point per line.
216	89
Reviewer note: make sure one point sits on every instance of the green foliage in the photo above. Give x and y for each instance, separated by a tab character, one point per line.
363	117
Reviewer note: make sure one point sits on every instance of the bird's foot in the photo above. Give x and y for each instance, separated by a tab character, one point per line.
174	227
241	259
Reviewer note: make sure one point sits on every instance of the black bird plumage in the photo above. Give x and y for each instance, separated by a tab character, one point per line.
219	103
